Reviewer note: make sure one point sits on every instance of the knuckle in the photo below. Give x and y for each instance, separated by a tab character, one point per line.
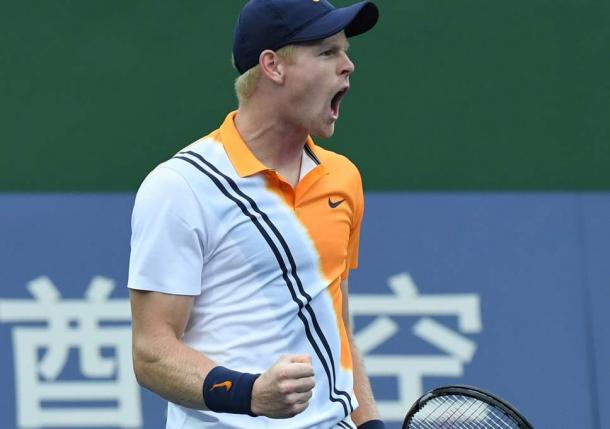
299	408
286	388
290	399
282	373
311	382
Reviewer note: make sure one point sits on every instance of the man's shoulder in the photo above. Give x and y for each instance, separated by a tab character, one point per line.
164	182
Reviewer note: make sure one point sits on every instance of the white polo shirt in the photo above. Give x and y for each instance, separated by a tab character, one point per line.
264	262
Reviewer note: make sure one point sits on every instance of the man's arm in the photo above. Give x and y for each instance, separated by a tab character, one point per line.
367	410
173	370
163	363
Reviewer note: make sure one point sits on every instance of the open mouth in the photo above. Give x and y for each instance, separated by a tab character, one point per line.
335	103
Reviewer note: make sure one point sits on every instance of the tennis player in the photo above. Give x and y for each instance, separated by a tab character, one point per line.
242	243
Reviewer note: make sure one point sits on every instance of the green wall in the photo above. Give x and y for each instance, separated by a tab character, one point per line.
451	94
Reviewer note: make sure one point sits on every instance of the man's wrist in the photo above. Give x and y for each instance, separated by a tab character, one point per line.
372	424
228	391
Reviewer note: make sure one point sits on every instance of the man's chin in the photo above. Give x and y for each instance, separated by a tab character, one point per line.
324	133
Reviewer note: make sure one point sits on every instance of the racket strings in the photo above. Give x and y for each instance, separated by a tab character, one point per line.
460	412
452	412
481	408
436	411
490	418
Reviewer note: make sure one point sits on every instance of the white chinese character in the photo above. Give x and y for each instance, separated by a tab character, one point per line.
411	369
73	324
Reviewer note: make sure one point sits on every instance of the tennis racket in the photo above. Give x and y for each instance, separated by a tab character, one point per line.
463	407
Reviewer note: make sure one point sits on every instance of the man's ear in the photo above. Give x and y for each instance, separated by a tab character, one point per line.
272	66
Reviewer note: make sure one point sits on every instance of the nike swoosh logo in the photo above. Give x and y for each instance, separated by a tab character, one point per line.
334	205
226	384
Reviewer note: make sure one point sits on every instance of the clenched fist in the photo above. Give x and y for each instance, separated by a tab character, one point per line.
284	390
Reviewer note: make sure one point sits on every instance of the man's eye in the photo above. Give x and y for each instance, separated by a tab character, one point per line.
327	52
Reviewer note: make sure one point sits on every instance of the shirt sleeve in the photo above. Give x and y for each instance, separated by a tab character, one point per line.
354	237
167	236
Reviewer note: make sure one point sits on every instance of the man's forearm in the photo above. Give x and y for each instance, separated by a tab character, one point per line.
367	409
173	370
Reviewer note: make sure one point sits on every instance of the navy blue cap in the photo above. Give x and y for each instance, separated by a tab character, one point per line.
272	24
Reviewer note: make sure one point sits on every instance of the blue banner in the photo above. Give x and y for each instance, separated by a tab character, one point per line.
503	291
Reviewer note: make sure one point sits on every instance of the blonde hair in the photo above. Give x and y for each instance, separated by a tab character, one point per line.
245	84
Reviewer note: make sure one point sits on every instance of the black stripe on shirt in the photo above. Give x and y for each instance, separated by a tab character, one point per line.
345	425
312	155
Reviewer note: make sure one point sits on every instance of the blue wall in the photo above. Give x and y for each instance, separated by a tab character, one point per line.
503	291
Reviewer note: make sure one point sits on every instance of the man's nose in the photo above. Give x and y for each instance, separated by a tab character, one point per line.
347	67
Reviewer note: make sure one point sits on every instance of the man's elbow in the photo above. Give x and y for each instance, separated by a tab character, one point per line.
144	360
139	371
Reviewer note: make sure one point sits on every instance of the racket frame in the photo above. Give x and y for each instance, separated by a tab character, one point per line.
470	391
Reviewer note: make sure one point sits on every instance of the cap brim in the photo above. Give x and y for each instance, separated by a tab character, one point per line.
355	19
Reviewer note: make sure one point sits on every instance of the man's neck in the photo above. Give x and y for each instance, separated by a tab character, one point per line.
277	144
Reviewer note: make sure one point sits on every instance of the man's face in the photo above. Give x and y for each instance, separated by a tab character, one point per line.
316	81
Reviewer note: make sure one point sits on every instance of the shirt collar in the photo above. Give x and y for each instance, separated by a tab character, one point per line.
242	158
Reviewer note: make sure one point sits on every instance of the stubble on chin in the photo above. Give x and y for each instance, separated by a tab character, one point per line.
325	133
